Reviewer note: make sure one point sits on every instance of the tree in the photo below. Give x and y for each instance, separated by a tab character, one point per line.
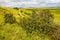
16	8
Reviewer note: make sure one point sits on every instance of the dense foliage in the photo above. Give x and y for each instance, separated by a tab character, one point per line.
38	20
9	18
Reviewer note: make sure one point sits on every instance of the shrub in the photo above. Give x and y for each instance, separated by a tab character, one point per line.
55	34
16	8
9	18
42	23
39	20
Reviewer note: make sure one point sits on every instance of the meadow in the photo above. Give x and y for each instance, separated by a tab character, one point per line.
29	24
56	14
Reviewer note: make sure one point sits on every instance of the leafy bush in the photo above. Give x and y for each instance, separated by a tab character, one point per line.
9	18
55	34
39	20
16	8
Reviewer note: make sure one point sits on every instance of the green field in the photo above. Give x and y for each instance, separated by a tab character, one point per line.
56	14
11	29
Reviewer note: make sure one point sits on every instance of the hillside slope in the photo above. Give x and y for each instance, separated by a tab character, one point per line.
14	30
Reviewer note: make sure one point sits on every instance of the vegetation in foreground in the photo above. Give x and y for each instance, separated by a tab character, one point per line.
29	24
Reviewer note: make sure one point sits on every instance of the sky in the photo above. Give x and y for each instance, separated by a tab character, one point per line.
30	3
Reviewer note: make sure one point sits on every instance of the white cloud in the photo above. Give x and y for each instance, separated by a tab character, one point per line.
11	4
14	3
27	3
5	0
52	1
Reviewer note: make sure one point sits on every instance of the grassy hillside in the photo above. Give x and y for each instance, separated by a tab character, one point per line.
11	29
56	14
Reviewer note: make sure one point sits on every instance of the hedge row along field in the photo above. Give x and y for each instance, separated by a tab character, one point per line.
28	24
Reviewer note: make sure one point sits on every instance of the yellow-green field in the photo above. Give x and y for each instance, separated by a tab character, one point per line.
14	31
56	14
